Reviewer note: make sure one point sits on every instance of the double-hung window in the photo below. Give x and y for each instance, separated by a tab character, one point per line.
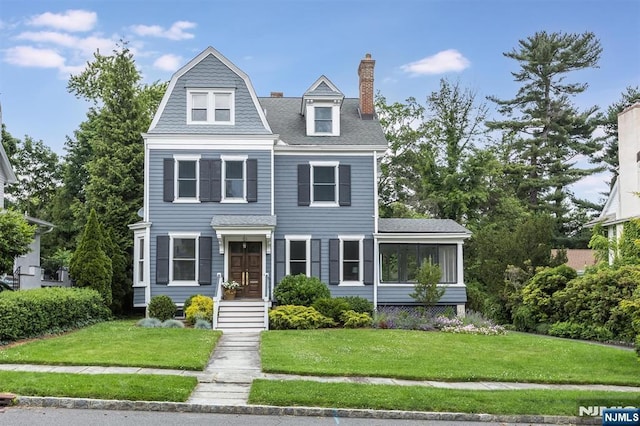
210	106
138	266
184	258
298	255
323	120
186	177
351	259
234	174
324	183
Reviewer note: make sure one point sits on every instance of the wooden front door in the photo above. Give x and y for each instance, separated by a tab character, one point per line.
245	267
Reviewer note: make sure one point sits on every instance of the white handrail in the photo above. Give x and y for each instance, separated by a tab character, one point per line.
216	302
266	287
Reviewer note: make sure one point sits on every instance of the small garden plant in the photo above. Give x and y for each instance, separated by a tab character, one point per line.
161	307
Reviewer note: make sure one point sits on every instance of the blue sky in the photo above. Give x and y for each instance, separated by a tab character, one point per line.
286	45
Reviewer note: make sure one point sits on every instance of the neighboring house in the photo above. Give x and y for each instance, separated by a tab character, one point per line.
578	259
27	272
252	189
623	203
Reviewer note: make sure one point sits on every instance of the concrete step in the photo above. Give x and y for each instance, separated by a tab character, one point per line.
252	310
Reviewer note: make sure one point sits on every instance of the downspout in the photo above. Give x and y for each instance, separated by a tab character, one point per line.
376	260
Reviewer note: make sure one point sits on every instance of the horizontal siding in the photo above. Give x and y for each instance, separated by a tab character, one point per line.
138	296
325	223
210	73
400	294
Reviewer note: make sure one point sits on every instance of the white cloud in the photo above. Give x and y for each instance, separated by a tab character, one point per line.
176	32
27	56
86	45
71	20
441	62
168	62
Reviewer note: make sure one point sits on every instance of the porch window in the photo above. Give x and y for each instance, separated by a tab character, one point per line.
400	262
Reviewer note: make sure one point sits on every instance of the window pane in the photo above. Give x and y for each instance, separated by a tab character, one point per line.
323	126
184	270
186	169
233	169
223	115
324	174
323	113
186	188
389	253
296	268
141	249
324	193
351	250
350	271
140	271
199	100
223	101
447	262
298	250
411	253
184	248
198	115
234	189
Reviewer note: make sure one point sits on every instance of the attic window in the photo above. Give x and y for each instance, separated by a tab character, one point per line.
323	122
210	106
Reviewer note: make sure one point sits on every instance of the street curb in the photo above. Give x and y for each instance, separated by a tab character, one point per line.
267	410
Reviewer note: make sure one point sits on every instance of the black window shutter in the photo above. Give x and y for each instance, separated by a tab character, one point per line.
168	181
367	250
162	259
316	265
334	261
252	180
279	260
205	180
344	173
204	261
304	179
216	179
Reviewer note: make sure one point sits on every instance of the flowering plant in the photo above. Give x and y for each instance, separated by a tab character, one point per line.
231	285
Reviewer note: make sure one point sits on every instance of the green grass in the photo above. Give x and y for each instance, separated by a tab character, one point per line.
416	398
119	343
515	357
133	387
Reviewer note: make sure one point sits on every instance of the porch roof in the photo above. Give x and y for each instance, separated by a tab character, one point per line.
242	221
421	226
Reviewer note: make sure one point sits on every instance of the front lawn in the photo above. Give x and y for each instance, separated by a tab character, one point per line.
514	357
417	398
119	343
132	387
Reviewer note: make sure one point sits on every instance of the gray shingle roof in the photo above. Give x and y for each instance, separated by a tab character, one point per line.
283	115
242	221
421	226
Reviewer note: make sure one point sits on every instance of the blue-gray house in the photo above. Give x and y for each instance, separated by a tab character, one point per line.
251	189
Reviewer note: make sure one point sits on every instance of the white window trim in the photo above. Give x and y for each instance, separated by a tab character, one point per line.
184	283
360	239
311	117
335	165
138	240
307	240
223	179
176	194
211	94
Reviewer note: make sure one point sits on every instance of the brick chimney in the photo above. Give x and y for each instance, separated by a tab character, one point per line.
277	94
365	74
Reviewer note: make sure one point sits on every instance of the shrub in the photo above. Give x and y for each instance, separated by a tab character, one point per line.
172	323
30	313
575	330
353	319
332	308
300	290
203	324
359	304
149	322
187	302
537	297
161	307
292	317
201	307
426	290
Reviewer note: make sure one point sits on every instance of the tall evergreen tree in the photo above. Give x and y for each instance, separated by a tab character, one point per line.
544	132
90	265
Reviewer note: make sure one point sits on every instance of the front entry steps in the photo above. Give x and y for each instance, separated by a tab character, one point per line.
242	315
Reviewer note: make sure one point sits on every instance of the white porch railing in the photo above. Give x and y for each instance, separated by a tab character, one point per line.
216	303
266	297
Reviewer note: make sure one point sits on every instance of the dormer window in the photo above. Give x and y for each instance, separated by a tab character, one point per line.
210	106
323	120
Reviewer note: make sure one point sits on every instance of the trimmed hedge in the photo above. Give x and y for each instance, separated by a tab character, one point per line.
294	317
300	290
31	313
